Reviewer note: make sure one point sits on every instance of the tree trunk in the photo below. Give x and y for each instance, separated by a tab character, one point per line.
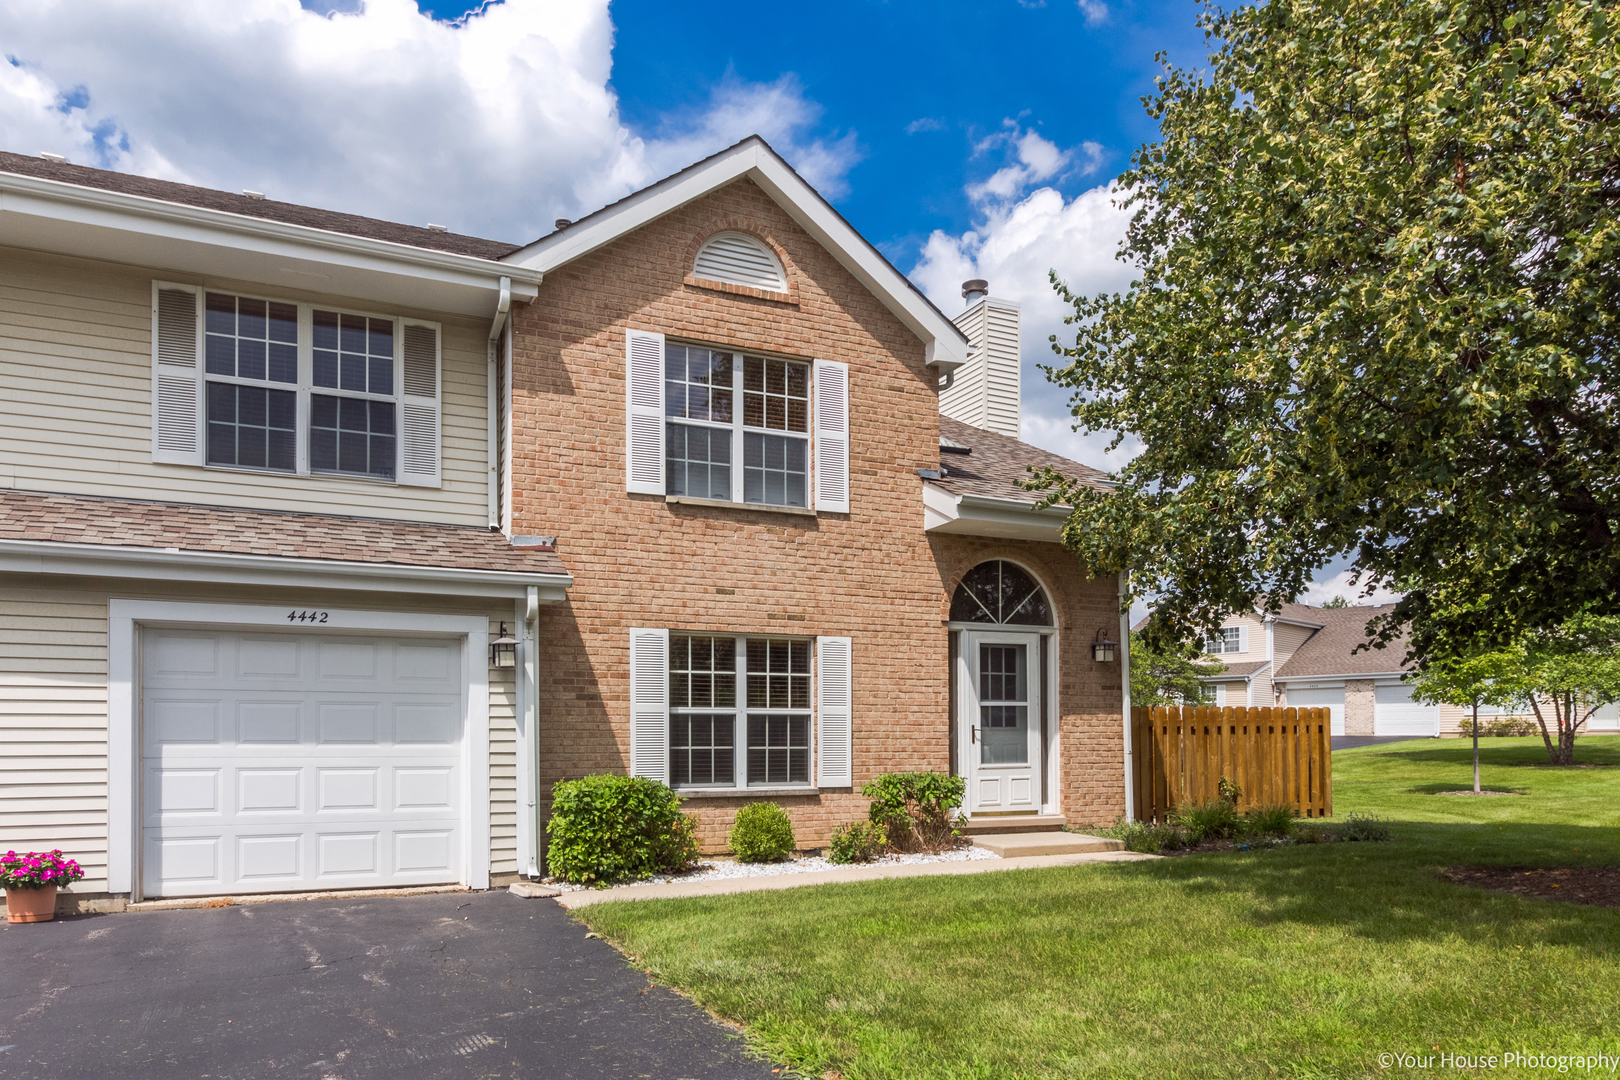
1546	736
1476	748
1566	732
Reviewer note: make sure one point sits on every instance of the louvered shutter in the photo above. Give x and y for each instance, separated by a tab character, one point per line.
177	413
1243	639
649	703
419	407
832	436
644	419
835	708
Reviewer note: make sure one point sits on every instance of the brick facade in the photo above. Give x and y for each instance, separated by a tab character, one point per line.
872	574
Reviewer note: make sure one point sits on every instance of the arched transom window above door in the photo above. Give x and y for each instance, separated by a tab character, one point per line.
1000	593
735	258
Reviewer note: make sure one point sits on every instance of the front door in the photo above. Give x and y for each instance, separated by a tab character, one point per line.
1001	722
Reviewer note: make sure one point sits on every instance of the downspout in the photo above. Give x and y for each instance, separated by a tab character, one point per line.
502	307
531	705
1125	693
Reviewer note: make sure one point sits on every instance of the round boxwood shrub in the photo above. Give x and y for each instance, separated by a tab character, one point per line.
762	833
608	829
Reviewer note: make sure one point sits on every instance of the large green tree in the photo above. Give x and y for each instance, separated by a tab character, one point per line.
1378	256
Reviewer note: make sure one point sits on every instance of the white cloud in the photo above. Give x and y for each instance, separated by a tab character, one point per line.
1095	12
924	123
494	125
1328	584
1020	236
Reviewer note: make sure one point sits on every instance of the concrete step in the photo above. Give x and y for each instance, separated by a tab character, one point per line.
1013	823
1013	845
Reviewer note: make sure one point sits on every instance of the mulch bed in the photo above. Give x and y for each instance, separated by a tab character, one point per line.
1579	885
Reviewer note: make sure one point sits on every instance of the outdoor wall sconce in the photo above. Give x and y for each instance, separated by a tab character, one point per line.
503	650
1103	647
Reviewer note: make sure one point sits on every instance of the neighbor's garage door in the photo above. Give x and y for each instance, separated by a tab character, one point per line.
1395	713
1330	698
285	761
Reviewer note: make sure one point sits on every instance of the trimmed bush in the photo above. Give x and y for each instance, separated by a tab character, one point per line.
857	841
1363	827
762	833
1141	836
915	809
608	829
1212	819
1274	820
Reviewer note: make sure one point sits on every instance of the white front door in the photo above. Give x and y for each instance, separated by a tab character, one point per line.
278	761
1001	721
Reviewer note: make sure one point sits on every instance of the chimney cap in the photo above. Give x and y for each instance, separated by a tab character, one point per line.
976	285
561	223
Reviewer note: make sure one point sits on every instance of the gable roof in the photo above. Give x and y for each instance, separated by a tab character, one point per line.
996	465
247	206
1332	649
944	343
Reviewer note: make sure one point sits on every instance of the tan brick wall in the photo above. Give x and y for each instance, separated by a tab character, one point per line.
1358	707
871	574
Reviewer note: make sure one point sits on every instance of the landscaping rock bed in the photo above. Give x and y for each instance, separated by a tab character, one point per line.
1599	885
809	862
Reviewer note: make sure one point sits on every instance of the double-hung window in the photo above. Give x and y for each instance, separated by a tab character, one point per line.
256	383
736	711
723	425
1228	639
707	435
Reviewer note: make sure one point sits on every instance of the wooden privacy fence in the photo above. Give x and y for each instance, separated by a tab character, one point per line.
1273	755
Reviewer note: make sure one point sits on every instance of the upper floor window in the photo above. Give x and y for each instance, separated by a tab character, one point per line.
1228	639
293	388
735	258
731	426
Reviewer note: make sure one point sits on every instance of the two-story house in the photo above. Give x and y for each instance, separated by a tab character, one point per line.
328	544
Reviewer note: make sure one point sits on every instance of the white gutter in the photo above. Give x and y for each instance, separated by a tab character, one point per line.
1125	695
174	564
530	836
982	515
502	307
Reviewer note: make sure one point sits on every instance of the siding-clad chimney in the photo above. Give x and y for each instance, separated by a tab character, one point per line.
986	388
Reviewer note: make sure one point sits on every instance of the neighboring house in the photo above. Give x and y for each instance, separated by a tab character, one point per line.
286	498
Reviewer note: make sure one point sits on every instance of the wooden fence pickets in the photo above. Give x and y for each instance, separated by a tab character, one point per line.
1273	755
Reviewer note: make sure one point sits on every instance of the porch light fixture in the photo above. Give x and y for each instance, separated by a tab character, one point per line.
503	650
1102	648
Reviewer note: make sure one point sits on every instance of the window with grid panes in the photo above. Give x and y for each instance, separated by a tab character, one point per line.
352	426
706	434
251	369
1228	639
723	688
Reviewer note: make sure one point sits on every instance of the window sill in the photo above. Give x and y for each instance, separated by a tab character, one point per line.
742	792
727	504
249	470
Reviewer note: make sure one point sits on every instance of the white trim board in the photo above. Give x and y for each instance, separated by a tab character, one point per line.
173	564
125	617
944	344
981	515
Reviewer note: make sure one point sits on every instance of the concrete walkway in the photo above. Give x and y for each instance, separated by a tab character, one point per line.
681	889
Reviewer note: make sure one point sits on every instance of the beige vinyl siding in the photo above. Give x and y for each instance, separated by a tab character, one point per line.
53	726
1286	640
75	339
964	400
985	392
503	800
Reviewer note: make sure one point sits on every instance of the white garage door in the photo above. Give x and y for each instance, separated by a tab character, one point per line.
1330	698
1395	713
287	761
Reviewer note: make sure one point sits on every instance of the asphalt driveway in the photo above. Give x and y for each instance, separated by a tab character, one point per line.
451	985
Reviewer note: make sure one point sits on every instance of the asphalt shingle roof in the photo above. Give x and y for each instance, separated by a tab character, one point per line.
268	209
82	519
998	464
1332	649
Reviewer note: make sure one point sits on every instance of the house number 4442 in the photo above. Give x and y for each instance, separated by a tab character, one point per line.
307	616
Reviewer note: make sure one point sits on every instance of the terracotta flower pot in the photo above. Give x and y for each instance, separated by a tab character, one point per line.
31	905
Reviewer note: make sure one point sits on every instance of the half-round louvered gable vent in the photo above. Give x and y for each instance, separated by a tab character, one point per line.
739	259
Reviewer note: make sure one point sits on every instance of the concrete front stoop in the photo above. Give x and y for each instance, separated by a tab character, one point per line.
1014	845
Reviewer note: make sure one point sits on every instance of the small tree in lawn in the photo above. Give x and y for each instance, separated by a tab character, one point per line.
1570	671
1493	678
1169	675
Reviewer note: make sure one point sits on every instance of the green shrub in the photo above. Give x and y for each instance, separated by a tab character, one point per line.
1142	836
1308	832
1274	820
1212	819
1506	727
857	841
915	808
1229	791
608	829
1363	827
762	833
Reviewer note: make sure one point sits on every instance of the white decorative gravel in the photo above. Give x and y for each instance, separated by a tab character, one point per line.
719	869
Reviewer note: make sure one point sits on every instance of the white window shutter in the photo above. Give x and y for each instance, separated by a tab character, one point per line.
835	712
1243	639
644	406
832	436
649	703
419	424
177	398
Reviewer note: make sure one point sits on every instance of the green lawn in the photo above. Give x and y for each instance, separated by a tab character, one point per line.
1301	962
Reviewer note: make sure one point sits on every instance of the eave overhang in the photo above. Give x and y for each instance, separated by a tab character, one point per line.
949	513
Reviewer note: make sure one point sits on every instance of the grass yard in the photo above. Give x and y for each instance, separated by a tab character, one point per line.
1302	962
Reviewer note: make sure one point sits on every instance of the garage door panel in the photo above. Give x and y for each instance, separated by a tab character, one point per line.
284	761
1330	698
1395	713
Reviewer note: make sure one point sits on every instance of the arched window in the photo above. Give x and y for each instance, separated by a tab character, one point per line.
1001	594
739	259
